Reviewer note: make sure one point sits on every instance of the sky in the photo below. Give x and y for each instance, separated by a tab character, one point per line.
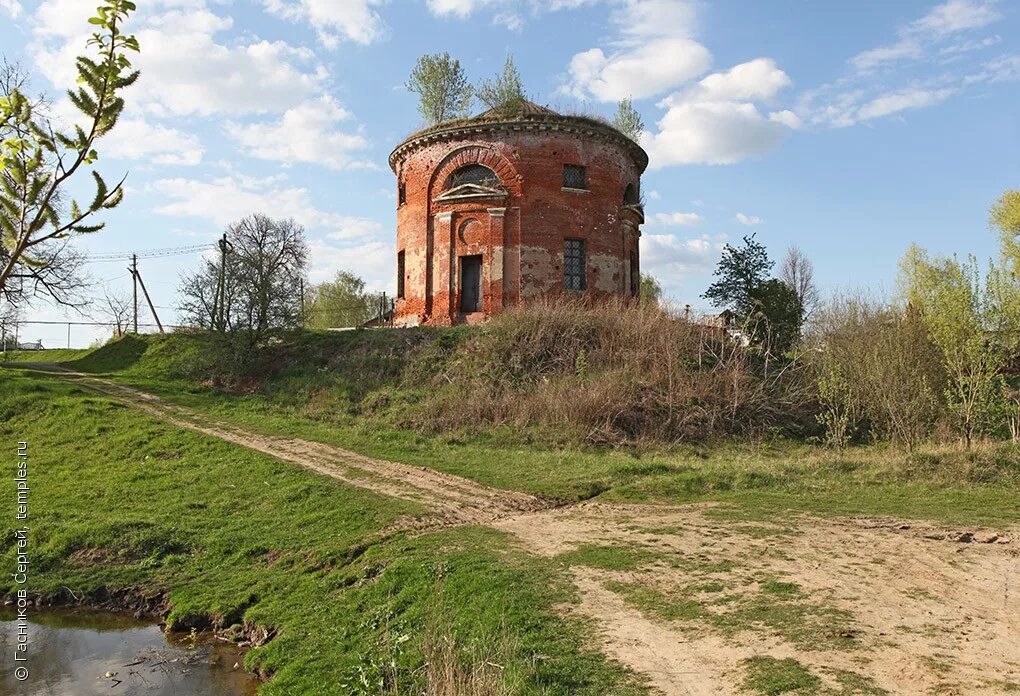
848	129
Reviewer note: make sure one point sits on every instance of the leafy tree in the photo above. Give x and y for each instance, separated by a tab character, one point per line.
38	161
650	290
741	271
505	92
777	318
341	302
442	88
1006	218
975	325
628	120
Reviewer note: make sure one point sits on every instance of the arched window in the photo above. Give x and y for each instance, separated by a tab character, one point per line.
630	195
472	174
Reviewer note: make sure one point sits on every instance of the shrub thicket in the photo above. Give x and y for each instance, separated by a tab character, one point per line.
613	374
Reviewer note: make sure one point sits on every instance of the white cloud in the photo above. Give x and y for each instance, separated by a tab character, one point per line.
641	19
137	139
875	57
334	20
11	7
336	241
756	80
1001	69
508	13
968	46
674	219
639	72
654	195
306	133
957	15
901	101
944	20
934	57
372	261
668	256
749	220
457	8
185	68
654	52
717	122
229	198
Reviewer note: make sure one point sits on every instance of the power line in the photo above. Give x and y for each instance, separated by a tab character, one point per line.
149	254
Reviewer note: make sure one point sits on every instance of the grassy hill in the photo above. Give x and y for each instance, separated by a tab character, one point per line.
376	392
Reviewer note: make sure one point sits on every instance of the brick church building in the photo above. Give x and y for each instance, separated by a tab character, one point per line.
494	210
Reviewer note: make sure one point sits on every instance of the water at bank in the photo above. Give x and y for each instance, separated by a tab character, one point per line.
78	652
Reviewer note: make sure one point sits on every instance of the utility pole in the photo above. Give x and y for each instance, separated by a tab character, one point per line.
134	284
220	300
301	287
149	300
69	335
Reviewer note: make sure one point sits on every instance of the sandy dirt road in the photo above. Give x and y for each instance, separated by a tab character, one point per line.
868	606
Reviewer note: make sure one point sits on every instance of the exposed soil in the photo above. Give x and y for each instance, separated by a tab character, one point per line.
915	609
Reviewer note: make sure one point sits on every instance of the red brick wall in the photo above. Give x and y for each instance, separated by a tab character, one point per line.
519	237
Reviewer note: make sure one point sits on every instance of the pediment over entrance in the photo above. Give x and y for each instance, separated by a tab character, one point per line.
471	192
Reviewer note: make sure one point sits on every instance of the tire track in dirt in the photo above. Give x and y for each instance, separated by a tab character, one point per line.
925	602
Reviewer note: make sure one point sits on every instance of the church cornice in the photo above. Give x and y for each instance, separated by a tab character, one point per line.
479	129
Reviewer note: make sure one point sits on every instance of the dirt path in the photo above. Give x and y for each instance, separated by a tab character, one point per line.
456	500
865	606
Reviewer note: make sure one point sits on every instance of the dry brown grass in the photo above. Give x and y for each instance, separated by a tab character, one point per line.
451	672
614	373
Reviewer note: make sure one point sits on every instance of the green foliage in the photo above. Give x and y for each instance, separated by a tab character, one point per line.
741	271
443	90
778	316
836	396
628	120
650	289
505	92
975	324
880	376
37	161
341	302
1006	218
771	311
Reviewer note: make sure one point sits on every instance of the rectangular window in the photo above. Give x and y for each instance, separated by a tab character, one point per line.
573	264
635	277
575	177
401	194
400	275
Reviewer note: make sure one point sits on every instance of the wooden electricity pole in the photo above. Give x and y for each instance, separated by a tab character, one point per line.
149	300
134	284
136	278
220	300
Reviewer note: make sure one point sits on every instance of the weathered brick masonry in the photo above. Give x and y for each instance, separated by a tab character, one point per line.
488	206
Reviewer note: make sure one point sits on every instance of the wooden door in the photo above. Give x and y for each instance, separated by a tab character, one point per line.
470	284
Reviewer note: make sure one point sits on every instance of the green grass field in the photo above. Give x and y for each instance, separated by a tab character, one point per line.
122	502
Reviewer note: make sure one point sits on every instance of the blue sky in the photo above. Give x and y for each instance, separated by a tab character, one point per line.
848	129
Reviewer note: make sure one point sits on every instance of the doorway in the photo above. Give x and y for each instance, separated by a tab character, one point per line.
470	284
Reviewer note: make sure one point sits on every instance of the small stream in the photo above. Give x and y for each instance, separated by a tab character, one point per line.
80	652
